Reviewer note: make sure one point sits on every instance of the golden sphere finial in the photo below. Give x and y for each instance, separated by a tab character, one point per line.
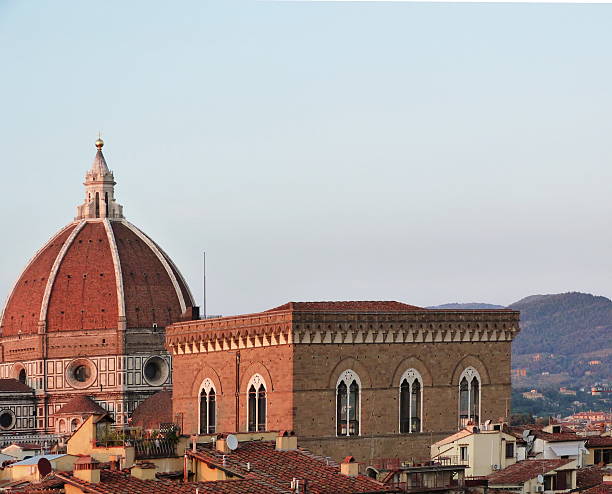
99	142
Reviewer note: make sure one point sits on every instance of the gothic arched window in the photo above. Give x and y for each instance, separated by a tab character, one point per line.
256	404
348	411
208	407
469	397
411	402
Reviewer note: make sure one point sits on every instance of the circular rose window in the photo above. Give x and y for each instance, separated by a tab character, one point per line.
7	420
81	373
156	371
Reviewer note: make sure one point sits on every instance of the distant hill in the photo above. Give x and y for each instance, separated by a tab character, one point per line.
471	305
565	323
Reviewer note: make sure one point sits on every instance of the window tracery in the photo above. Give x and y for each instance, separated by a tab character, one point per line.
348	404
411	402
256	404
208	407
469	397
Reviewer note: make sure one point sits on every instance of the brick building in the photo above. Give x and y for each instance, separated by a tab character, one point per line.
370	379
87	317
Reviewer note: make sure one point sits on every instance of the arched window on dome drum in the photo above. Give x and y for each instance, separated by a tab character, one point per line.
257	404
411	399
208	408
348	411
22	376
469	397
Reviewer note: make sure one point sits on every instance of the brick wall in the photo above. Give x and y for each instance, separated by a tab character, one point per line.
225	369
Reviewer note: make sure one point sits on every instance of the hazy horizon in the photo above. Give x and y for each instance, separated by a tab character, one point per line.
425	153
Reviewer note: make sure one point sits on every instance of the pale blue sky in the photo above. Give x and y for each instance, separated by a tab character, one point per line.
426	153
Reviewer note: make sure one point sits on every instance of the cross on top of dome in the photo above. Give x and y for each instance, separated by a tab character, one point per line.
99	190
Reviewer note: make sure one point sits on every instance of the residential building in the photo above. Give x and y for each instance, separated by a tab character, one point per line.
482	450
533	476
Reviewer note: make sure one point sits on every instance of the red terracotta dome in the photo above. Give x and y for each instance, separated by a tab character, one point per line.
98	272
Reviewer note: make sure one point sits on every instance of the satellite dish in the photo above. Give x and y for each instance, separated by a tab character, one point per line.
231	441
540	479
487	422
526	433
44	467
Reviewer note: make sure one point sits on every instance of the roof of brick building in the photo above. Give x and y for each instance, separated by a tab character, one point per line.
118	482
14	386
121	482
590	476
566	434
603	488
81	405
346	306
279	468
155	410
525	470
598	441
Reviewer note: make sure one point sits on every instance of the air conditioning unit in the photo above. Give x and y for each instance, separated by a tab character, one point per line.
539	488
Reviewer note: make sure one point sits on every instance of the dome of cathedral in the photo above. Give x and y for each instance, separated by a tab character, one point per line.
98	272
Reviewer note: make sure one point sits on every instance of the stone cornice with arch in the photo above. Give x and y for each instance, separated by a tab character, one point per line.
353	364
202	374
252	369
411	363
470	361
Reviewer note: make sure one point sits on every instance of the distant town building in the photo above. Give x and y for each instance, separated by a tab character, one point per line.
534	394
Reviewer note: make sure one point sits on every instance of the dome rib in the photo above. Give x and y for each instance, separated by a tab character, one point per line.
118	274
54	270
30	263
163	261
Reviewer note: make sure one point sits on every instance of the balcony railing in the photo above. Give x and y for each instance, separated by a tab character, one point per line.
418	484
154	448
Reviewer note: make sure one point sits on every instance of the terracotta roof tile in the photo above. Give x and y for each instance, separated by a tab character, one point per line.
523	471
603	488
346	306
81	405
14	386
278	468
155	410
590	476
598	441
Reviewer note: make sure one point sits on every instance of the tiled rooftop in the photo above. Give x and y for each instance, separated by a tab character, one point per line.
590	476
523	471
599	441
14	386
348	306
155	410
278	468
81	405
117	482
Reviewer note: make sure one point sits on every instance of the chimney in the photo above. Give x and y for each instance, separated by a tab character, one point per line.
115	462
143	470
88	469
349	467
286	441
221	444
